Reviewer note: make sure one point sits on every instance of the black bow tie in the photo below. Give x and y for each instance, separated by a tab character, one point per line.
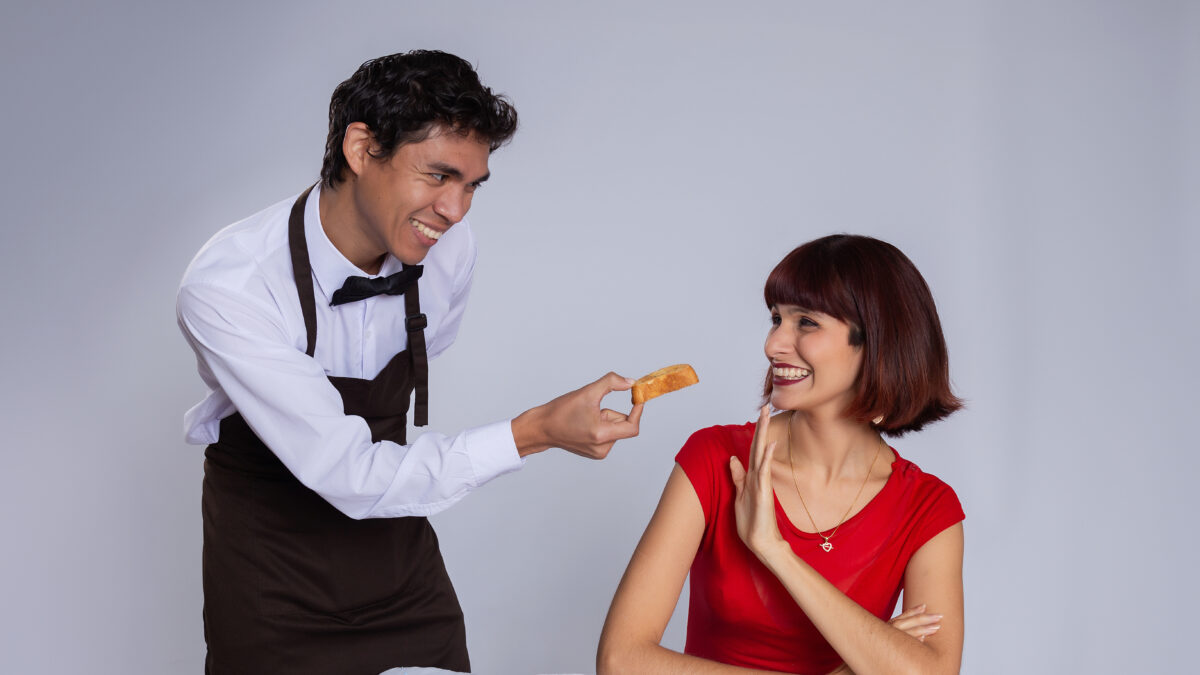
361	288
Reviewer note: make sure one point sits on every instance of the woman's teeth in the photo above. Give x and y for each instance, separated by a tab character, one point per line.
790	373
432	234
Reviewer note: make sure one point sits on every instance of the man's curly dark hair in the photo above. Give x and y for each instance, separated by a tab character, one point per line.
402	98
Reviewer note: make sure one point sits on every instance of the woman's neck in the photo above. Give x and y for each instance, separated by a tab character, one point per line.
830	449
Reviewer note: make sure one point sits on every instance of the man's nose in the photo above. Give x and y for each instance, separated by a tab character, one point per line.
453	205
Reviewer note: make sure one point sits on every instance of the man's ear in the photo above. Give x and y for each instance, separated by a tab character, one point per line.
357	143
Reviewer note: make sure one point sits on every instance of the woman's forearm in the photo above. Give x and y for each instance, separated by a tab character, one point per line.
866	643
643	656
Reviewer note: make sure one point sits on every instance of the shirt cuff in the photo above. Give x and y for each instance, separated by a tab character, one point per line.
492	451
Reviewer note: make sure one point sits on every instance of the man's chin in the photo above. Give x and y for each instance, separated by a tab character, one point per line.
410	257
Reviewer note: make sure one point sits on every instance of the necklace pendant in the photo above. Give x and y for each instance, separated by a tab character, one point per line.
827	546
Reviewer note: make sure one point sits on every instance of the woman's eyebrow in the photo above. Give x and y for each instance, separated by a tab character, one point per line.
795	308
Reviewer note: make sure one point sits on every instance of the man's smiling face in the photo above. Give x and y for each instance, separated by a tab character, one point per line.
406	202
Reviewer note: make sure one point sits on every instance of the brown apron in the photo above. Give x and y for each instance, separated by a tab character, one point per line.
292	585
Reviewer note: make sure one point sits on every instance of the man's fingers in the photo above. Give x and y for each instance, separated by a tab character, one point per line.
635	415
618	425
592	429
613	382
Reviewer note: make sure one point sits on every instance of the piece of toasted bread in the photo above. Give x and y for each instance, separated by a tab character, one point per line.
663	381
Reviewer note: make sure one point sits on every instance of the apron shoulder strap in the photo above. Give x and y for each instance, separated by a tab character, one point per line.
302	269
415	323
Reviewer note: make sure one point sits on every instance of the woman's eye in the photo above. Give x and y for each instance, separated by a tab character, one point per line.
805	321
775	320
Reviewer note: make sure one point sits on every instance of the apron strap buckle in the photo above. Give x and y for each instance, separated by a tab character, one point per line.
415	323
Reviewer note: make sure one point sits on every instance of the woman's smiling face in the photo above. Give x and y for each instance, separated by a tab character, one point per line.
813	365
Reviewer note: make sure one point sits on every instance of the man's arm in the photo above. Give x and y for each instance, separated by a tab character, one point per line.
287	400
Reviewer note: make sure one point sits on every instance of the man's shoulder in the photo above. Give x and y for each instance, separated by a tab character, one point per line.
245	250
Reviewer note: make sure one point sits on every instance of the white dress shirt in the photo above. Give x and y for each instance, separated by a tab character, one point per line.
239	310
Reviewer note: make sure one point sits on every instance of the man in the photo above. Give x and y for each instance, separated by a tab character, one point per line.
311	331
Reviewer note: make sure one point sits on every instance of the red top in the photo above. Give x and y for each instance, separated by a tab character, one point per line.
739	613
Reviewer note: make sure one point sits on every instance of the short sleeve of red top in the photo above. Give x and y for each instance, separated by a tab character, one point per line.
740	614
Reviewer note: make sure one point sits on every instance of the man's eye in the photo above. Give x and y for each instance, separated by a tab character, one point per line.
439	177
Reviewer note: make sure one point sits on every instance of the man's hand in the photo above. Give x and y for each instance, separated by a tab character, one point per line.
575	421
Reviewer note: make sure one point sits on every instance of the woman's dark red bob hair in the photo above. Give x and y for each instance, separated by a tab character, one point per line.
876	289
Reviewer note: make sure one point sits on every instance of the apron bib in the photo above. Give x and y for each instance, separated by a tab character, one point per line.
291	584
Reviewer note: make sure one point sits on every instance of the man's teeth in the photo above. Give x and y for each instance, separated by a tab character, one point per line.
432	234
790	373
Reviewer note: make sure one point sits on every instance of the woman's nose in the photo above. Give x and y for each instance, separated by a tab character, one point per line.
778	342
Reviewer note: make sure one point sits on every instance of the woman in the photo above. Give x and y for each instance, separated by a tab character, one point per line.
799	531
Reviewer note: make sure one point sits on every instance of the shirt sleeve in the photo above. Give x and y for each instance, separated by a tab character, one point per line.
287	401
697	458
936	509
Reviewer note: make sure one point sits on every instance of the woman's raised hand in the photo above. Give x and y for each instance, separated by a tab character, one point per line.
754	502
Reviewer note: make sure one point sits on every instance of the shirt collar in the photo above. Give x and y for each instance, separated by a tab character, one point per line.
330	267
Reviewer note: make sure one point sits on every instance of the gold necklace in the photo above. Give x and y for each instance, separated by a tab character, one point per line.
826	546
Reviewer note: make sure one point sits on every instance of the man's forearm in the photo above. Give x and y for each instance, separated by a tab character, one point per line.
528	431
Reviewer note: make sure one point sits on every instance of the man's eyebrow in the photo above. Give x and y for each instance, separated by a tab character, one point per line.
453	172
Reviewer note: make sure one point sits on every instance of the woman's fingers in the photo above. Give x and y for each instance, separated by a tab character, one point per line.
737	473
759	445
919	609
764	468
917	622
754	500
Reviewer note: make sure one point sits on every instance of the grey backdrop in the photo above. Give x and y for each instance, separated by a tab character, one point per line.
1037	160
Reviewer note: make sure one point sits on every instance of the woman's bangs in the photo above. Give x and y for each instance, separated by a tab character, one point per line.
808	282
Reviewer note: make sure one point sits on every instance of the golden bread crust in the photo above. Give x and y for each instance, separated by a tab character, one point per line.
663	381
